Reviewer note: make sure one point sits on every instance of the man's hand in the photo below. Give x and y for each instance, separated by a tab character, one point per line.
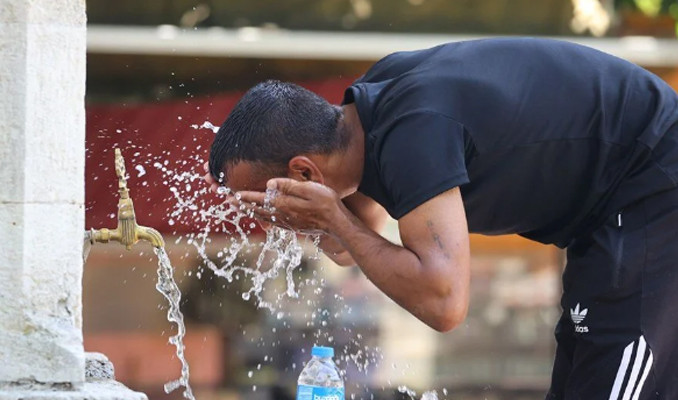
214	185
300	206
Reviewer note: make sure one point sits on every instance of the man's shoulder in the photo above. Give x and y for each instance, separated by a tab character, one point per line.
398	64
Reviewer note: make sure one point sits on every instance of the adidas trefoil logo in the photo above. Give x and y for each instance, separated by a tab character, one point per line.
578	316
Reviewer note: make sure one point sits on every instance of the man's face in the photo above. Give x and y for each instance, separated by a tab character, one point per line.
246	176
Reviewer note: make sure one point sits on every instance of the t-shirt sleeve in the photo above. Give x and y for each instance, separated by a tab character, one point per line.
421	156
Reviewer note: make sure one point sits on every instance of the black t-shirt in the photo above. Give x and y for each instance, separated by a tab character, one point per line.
544	137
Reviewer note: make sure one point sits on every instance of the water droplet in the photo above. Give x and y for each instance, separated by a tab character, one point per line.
141	170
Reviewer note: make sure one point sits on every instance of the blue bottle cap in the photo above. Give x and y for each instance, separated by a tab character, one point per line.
322	352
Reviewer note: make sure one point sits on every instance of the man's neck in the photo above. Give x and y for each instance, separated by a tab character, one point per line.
353	158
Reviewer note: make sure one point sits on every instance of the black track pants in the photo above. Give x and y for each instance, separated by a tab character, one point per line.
618	334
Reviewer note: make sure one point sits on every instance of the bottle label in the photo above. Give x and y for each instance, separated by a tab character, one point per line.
319	393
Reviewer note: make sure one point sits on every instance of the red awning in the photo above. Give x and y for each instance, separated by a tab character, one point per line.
149	134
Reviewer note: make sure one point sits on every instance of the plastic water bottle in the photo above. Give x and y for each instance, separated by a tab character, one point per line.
320	379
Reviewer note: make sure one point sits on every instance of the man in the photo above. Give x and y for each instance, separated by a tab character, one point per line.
556	142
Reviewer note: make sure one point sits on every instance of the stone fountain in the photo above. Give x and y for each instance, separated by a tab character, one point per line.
42	148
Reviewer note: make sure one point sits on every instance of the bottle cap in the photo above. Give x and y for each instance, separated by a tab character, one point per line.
322	352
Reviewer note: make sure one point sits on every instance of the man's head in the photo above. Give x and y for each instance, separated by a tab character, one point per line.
275	130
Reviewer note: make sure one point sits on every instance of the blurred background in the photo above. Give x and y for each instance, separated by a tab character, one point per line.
157	70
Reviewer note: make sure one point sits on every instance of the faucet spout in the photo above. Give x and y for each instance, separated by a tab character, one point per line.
128	232
151	235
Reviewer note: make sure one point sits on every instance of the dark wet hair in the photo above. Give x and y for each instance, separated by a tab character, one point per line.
274	122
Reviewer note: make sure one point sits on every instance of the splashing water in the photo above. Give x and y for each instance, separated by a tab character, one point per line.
169	289
206	125
430	395
281	252
278	255
270	195
141	171
405	390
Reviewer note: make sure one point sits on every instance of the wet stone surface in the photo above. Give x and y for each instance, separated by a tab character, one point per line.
98	367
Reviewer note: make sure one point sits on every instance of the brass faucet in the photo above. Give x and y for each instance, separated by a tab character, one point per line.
128	231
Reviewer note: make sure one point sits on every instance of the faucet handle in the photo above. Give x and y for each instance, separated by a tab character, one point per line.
128	232
121	172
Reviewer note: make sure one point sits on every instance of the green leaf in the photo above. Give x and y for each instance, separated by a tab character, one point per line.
649	7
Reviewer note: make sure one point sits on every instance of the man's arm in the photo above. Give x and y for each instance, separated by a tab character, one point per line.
428	275
372	215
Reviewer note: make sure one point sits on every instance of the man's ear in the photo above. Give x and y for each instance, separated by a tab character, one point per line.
302	168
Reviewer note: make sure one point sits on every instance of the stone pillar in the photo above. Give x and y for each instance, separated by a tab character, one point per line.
42	147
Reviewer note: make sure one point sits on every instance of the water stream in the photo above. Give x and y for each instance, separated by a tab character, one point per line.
169	289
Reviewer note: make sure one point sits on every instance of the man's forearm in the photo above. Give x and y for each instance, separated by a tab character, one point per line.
372	215
424	289
333	249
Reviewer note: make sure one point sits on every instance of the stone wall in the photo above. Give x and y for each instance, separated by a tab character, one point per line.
42	136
